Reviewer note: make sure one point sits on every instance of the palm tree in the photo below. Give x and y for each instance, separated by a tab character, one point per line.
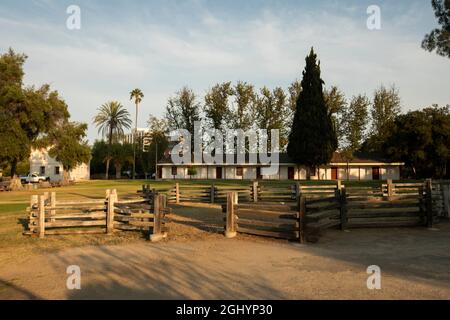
111	120
137	95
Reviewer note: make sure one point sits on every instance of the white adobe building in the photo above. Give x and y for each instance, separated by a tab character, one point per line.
360	168
43	164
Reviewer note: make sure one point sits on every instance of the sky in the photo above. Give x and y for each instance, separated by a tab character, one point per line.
161	46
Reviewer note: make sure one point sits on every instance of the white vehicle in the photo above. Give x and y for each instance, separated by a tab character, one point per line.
33	178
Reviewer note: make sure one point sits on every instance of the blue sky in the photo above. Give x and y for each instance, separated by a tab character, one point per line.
160	46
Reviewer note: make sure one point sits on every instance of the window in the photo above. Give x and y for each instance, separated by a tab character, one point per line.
57	170
239	171
42	170
174	171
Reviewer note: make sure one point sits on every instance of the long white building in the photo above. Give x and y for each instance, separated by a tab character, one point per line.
359	168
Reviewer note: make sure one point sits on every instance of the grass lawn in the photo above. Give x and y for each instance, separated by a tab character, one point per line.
13	215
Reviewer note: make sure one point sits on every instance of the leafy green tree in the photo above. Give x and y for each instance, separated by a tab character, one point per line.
312	140
111	120
439	39
159	142
26	114
183	110
356	121
385	108
69	147
271	112
244	99
121	154
99	156
421	139
217	106
337	105
137	96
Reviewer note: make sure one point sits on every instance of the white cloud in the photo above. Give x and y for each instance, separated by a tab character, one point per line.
104	62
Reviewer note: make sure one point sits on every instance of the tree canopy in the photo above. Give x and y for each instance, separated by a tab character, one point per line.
312	140
439	38
26	114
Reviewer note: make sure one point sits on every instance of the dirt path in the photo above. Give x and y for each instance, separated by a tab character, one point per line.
197	262
232	269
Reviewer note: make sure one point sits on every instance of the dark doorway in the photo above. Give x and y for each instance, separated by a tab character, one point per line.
376	173
219	173
291	173
258	173
334	173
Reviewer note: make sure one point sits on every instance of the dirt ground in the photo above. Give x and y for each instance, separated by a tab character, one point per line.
198	262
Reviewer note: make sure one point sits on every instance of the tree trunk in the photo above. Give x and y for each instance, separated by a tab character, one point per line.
109	153
66	177
13	168
118	170
107	168
308	173
15	183
134	143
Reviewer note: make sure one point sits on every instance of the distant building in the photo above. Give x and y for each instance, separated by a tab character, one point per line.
142	134
361	167
42	163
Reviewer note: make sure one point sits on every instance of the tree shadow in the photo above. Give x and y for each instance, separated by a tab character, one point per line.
16	292
161	273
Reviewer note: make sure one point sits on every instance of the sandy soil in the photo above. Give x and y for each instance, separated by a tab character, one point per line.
197	262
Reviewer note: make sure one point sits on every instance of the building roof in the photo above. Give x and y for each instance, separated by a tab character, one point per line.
337	158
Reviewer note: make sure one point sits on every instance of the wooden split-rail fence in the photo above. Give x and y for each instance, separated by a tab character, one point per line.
322	207
265	193
49	216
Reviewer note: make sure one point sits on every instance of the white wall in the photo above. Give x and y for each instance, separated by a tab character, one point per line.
41	158
249	173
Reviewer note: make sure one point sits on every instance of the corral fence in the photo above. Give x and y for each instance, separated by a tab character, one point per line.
324	207
49	216
256	192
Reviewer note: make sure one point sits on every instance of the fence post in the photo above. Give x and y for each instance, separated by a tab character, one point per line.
177	193
41	217
212	193
390	189
343	207
34	201
157	233
302	218
255	191
110	212
429	202
298	190
230	227
446	193
52	205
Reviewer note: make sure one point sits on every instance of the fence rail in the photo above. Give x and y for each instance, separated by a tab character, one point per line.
47	216
314	212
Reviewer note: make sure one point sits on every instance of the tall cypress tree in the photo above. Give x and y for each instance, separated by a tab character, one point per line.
312	140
